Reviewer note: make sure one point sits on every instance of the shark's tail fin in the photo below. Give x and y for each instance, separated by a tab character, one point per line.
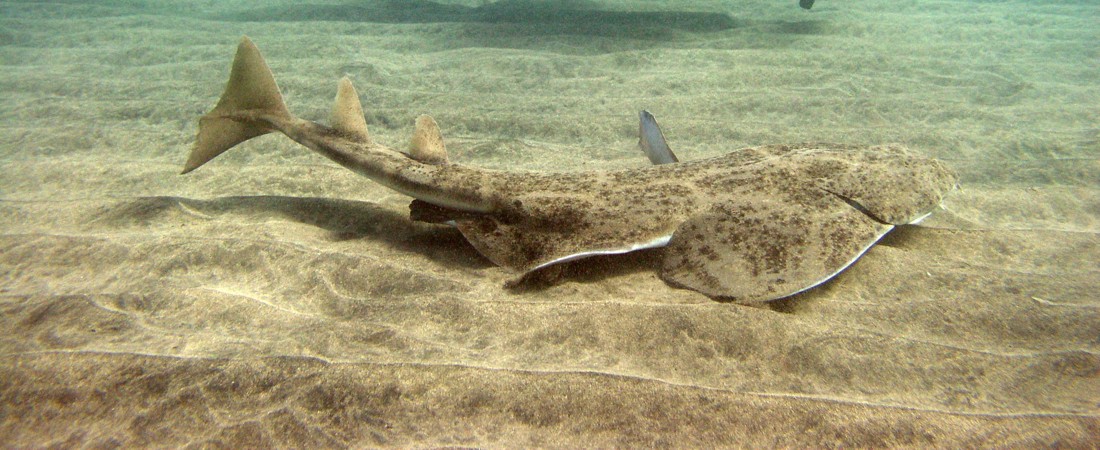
250	93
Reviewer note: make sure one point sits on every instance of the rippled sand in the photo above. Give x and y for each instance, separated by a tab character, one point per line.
273	298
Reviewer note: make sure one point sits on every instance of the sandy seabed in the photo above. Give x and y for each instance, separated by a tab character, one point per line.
274	298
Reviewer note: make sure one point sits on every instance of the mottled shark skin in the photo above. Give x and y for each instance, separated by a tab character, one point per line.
754	225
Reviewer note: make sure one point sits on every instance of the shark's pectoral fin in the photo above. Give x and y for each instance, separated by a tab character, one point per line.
891	185
652	141
764	250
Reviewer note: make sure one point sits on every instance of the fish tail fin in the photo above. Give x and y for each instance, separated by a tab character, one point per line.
250	94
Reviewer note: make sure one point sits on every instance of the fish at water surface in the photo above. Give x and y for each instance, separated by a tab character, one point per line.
753	225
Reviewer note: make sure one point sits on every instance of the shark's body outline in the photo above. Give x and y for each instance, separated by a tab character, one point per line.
753	225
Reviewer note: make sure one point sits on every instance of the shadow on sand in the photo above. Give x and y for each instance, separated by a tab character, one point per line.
541	17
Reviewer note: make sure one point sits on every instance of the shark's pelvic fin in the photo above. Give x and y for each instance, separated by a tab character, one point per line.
251	90
652	141
347	113
427	142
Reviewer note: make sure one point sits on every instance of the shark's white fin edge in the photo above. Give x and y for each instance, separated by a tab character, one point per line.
844	267
920	219
657	242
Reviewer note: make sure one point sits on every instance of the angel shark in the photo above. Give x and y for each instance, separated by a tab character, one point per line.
754	225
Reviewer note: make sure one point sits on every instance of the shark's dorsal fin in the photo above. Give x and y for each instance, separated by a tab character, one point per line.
347	113
427	142
652	141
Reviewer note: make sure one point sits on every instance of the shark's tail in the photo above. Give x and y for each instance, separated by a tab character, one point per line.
250	93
